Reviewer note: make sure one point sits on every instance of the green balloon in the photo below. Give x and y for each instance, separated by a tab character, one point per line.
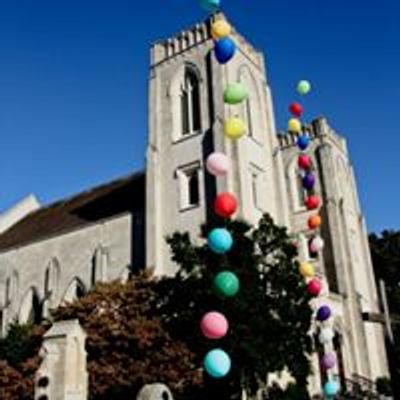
227	284
235	93
303	87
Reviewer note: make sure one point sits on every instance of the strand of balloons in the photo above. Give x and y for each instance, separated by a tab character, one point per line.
316	244
214	325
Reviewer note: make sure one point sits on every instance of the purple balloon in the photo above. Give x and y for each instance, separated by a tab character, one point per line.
309	181
328	361
324	313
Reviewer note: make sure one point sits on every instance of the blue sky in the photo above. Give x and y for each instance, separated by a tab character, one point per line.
73	86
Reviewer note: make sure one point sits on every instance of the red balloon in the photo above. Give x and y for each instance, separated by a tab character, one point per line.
296	109
312	202
225	205
304	161
314	287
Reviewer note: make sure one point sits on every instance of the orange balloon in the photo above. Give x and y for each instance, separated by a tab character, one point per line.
314	222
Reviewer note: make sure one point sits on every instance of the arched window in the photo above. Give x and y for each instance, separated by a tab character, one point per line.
252	107
11	292
190	103
248	117
76	289
31	309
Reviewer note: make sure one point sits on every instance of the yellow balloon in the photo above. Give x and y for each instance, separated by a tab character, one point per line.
307	270
294	125
220	29
234	128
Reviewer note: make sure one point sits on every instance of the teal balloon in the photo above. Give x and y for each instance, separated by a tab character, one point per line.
331	388
235	93
220	241
217	363
227	284
210	5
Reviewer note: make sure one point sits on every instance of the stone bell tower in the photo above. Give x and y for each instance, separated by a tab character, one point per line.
186	117
345	261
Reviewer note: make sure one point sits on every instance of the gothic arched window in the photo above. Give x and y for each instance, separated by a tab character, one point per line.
190	103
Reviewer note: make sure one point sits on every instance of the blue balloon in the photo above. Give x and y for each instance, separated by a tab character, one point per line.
220	240
331	388
217	363
303	142
210	5
225	49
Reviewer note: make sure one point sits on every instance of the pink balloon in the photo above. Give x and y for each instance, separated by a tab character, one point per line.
214	325
317	244
218	164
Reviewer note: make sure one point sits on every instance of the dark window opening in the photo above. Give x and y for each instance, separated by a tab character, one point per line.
93	272
190	104
193	182
47	281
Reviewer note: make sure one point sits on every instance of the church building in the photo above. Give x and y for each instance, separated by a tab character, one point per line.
56	253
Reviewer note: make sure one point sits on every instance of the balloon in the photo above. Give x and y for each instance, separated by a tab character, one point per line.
309	181
234	128
224	50
218	164
303	142
214	325
314	222
312	202
220	240
314	287
331	388
235	93
328	361
220	29
323	313
225	205
294	125
217	363
304	161
316	244
303	87
227	284
210	5
307	270
296	109
326	335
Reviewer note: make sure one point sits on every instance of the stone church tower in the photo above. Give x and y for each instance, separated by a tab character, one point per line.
186	113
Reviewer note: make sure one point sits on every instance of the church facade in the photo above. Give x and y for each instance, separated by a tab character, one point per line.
53	254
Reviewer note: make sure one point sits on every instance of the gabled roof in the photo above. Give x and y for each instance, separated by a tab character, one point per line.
117	197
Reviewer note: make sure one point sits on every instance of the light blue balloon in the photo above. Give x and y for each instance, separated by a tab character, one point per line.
331	388
210	5
220	240
217	363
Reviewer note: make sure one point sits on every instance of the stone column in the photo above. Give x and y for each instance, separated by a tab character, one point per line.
62	374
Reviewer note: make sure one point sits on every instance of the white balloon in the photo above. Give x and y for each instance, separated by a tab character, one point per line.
218	164
317	244
326	335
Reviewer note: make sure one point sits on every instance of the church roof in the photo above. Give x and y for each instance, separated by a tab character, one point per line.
102	202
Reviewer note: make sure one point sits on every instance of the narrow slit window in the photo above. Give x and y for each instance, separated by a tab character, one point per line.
190	104
193	186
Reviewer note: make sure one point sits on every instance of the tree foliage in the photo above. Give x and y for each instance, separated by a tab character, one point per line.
385	252
269	319
127	345
19	360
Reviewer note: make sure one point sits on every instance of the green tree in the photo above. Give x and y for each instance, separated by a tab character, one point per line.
385	253
269	319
